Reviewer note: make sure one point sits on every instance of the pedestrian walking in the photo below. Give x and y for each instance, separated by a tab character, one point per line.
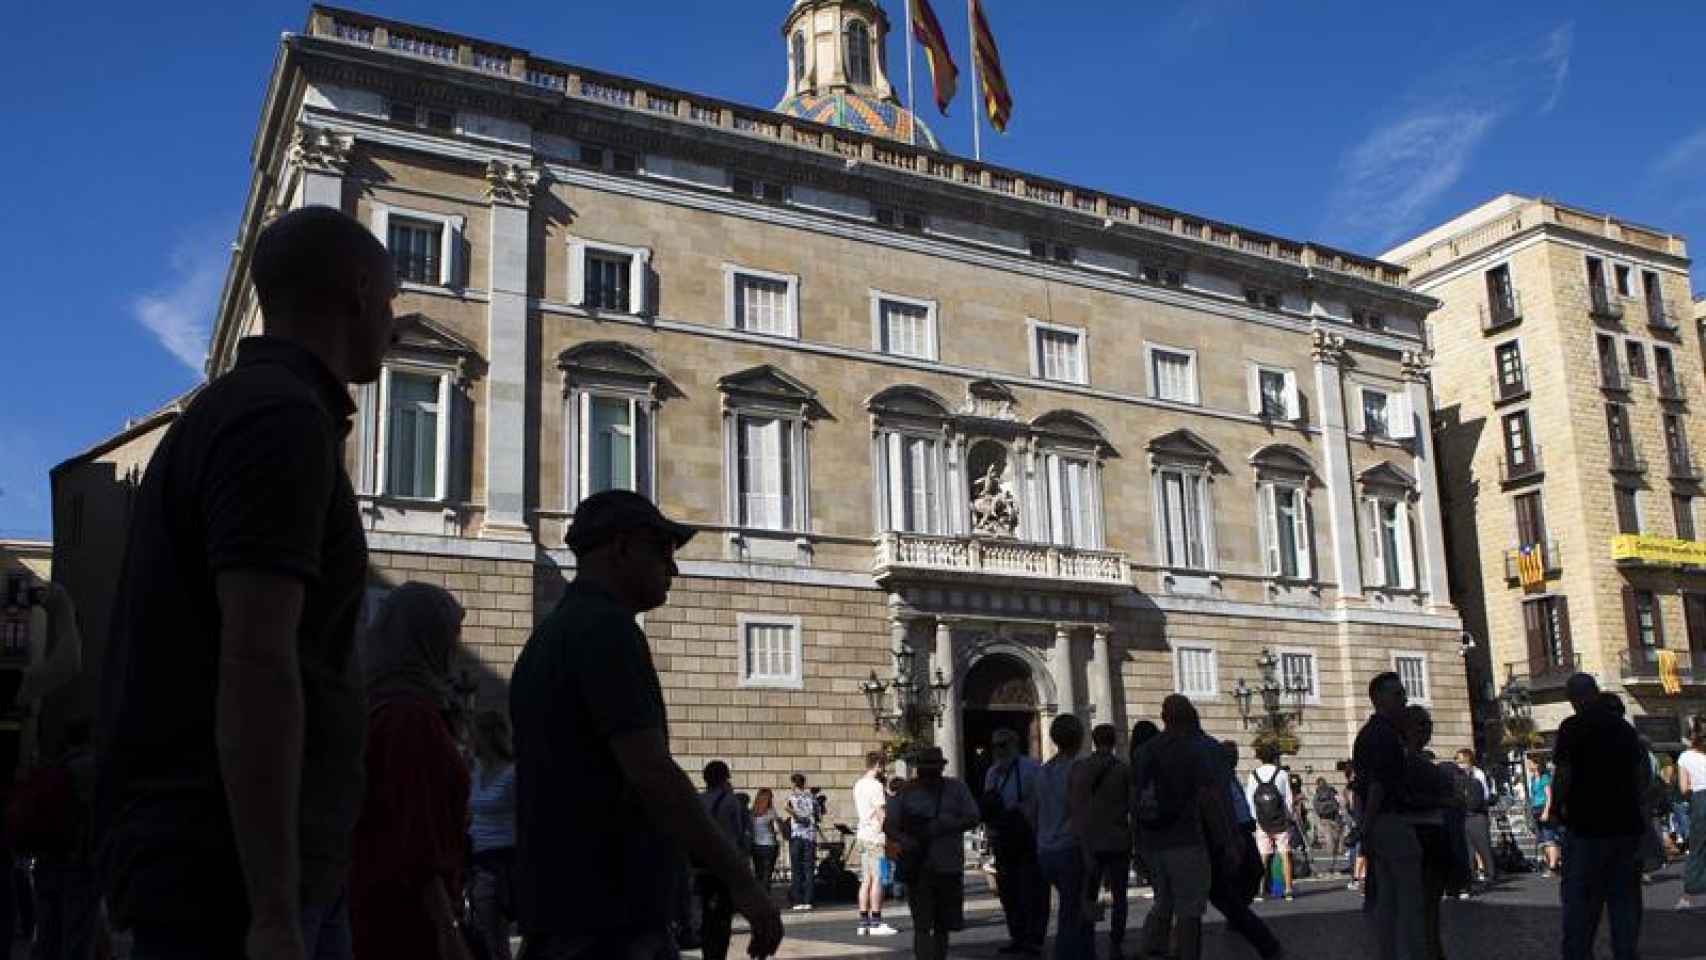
230	727
1142	732
1427	803
405	889
1547	832
1182	813
1691	781
767	834
1388	840
1329	822
930	819
1597	790
491	802
1101	801
802	844
870	803
716	907
604	815
1060	844
1008	788
1268	790
1475	792
1237	874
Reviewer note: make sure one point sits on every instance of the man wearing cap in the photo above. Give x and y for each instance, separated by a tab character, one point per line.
592	749
931	817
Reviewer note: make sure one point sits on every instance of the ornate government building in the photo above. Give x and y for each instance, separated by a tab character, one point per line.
1072	450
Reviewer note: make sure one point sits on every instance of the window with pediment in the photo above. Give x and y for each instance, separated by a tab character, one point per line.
1070	448
612	392
910	455
1184	466
766	419
1284	478
411	424
1389	558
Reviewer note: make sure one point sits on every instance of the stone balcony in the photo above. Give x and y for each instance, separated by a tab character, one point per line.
921	555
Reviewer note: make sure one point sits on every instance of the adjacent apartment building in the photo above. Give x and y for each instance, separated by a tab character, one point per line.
1567	375
1067	450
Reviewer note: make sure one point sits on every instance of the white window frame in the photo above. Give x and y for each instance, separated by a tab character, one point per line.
639	267
793	421
1253	388
1034	329
795	678
892	494
732	272
1267	510
1213	669
1314	696
932	335
1399	417
576	409
378	479
1149	349
1426	697
1051	458
1374	544
1205	507
451	228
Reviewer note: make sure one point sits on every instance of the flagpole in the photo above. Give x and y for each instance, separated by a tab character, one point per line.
976	88
911	106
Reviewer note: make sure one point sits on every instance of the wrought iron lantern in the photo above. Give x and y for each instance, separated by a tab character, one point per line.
912	701
1282	699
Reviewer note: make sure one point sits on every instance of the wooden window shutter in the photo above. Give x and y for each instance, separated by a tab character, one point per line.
1534	625
1694	616
1631	621
1658	622
1566	645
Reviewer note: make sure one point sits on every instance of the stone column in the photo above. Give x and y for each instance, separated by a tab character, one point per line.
323	157
948	735
1101	676
1430	521
510	189
1329	353
1065	682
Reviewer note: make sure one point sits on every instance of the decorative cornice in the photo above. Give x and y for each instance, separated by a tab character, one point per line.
1327	347
511	183
1414	365
318	150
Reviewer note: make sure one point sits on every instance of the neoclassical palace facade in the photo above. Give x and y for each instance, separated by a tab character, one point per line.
1072	450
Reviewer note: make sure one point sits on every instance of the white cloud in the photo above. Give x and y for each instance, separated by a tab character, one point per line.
1684	157
1390	179
181	315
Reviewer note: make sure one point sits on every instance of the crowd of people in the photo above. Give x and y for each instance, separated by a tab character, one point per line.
273	779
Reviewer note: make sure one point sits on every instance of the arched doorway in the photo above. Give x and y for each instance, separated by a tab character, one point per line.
999	694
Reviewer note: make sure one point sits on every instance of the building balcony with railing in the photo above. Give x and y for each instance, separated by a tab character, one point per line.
1521	469
1501	313
1682	465
1602	305
1648	665
1543	672
975	557
1626	460
1612	378
1547	550
1668	387
1660	317
1511	384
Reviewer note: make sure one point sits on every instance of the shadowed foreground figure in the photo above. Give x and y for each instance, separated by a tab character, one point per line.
231	708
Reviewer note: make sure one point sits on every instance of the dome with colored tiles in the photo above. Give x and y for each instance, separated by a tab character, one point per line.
852	111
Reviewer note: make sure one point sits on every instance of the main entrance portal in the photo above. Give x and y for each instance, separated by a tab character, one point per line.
999	694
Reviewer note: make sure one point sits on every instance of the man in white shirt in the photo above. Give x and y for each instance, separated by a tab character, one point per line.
1268	791
870	800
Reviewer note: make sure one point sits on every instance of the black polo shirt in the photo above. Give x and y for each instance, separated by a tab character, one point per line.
249	477
1608	771
589	860
1378	757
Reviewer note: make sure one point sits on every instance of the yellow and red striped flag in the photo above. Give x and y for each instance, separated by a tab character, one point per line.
1531	569
944	76
997	101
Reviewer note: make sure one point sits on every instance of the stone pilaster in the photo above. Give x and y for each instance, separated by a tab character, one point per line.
1101	676
1329	353
1065	680
948	735
322	156
1430	522
510	190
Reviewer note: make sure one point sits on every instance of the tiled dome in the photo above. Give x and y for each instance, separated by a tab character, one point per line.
861	113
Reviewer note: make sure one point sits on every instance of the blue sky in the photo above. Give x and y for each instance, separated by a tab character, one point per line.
129	128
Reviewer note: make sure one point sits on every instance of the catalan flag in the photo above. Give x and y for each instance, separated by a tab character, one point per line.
997	101
944	76
1670	672
1531	568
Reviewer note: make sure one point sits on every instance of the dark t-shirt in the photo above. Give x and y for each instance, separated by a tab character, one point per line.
1606	764
248	478
1378	757
588	860
1180	765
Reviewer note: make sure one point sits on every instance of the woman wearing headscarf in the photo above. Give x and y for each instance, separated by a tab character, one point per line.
406	875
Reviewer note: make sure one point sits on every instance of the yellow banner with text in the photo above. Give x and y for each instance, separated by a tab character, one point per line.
1662	551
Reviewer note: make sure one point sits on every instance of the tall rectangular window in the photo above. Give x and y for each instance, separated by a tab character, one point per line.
906	329
1546	621
1617	433
1196	672
411	436
1376	419
1682	507
1609	372
913	479
1637	358
1664	371
1508	359
415	246
1676	440
1173	375
1297	669
1413	670
762	305
1184	519
1285	521
765	454
1071	501
1392	542
1530	519
1625	282
1628	510
1060	354
1519	447
607	280
1275	394
1644	619
1501	295
610	444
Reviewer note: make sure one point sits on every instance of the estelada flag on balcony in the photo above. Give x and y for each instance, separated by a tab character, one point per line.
1531	569
944	76
997	101
1670	672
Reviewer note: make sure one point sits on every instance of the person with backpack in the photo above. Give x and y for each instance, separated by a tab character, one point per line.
1476	793
1008	787
1101	802
1329	822
1268	790
928	824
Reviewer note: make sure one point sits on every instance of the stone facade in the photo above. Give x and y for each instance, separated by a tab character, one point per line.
585	239
1557	318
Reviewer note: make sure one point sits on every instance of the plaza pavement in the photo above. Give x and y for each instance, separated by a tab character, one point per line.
1518	920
